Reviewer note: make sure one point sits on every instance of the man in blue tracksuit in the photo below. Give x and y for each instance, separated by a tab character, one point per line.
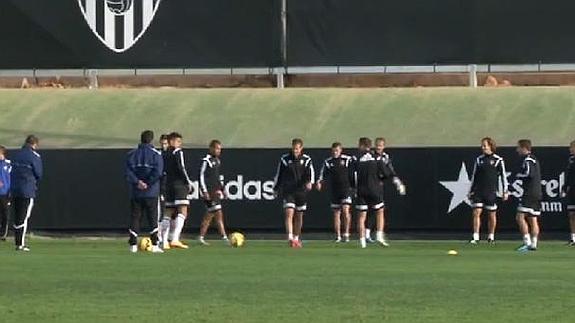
144	169
5	169
25	176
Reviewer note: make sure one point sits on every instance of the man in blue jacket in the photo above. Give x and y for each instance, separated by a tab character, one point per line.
144	169
5	169
25	176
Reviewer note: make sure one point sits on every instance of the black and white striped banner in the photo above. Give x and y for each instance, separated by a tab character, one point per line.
119	24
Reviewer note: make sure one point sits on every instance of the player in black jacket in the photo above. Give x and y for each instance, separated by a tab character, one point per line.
294	178
335	170
164	219
367	173
530	202
212	190
488	171
371	221
178	186
568	191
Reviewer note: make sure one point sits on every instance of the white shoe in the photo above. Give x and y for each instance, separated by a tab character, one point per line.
134	249
203	242
346	239
362	244
157	249
225	238
383	243
338	240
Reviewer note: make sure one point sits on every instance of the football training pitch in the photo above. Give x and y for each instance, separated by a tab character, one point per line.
69	280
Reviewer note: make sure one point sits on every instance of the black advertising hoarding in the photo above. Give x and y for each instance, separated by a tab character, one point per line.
418	32
248	33
139	34
86	190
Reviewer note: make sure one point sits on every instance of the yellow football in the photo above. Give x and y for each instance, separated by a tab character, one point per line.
146	244
452	252
237	239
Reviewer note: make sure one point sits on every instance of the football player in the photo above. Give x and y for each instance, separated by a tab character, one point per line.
335	170
178	186
568	191
488	171
294	178
144	168
529	208
5	169
212	191
26	174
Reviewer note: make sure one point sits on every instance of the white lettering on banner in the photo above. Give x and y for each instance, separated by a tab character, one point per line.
239	189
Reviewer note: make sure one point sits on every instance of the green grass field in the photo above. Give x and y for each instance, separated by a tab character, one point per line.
68	280
411	117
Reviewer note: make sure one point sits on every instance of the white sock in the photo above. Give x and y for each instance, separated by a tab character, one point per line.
534	242
346	235
476	236
224	237
296	238
491	236
180	220
527	240
367	233
172	228
362	242
290	236
201	237
573	237
165	229
379	235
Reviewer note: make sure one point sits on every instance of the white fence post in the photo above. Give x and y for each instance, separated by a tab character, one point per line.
472	69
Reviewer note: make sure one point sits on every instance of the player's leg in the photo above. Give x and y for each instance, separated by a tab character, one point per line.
204	226
370	222
572	226
22	211
476	222
523	230
221	225
336	211
346	212
288	220
361	217
151	208
379	210
135	220
491	225
300	208
4	209
180	221
534	224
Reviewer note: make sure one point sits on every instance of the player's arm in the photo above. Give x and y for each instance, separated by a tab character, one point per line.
131	174
568	179
323	173
388	172
473	185
37	168
182	168
503	176
202	179
278	178
309	175
157	170
395	178
525	171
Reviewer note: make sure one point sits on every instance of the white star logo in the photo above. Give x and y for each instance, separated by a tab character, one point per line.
459	188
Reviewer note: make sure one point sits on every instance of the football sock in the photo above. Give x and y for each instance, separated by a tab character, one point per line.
346	235
367	233
180	220
290	236
534	242
573	237
527	240
172	228
296	238
379	235
362	242
165	229
476	236
491	236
